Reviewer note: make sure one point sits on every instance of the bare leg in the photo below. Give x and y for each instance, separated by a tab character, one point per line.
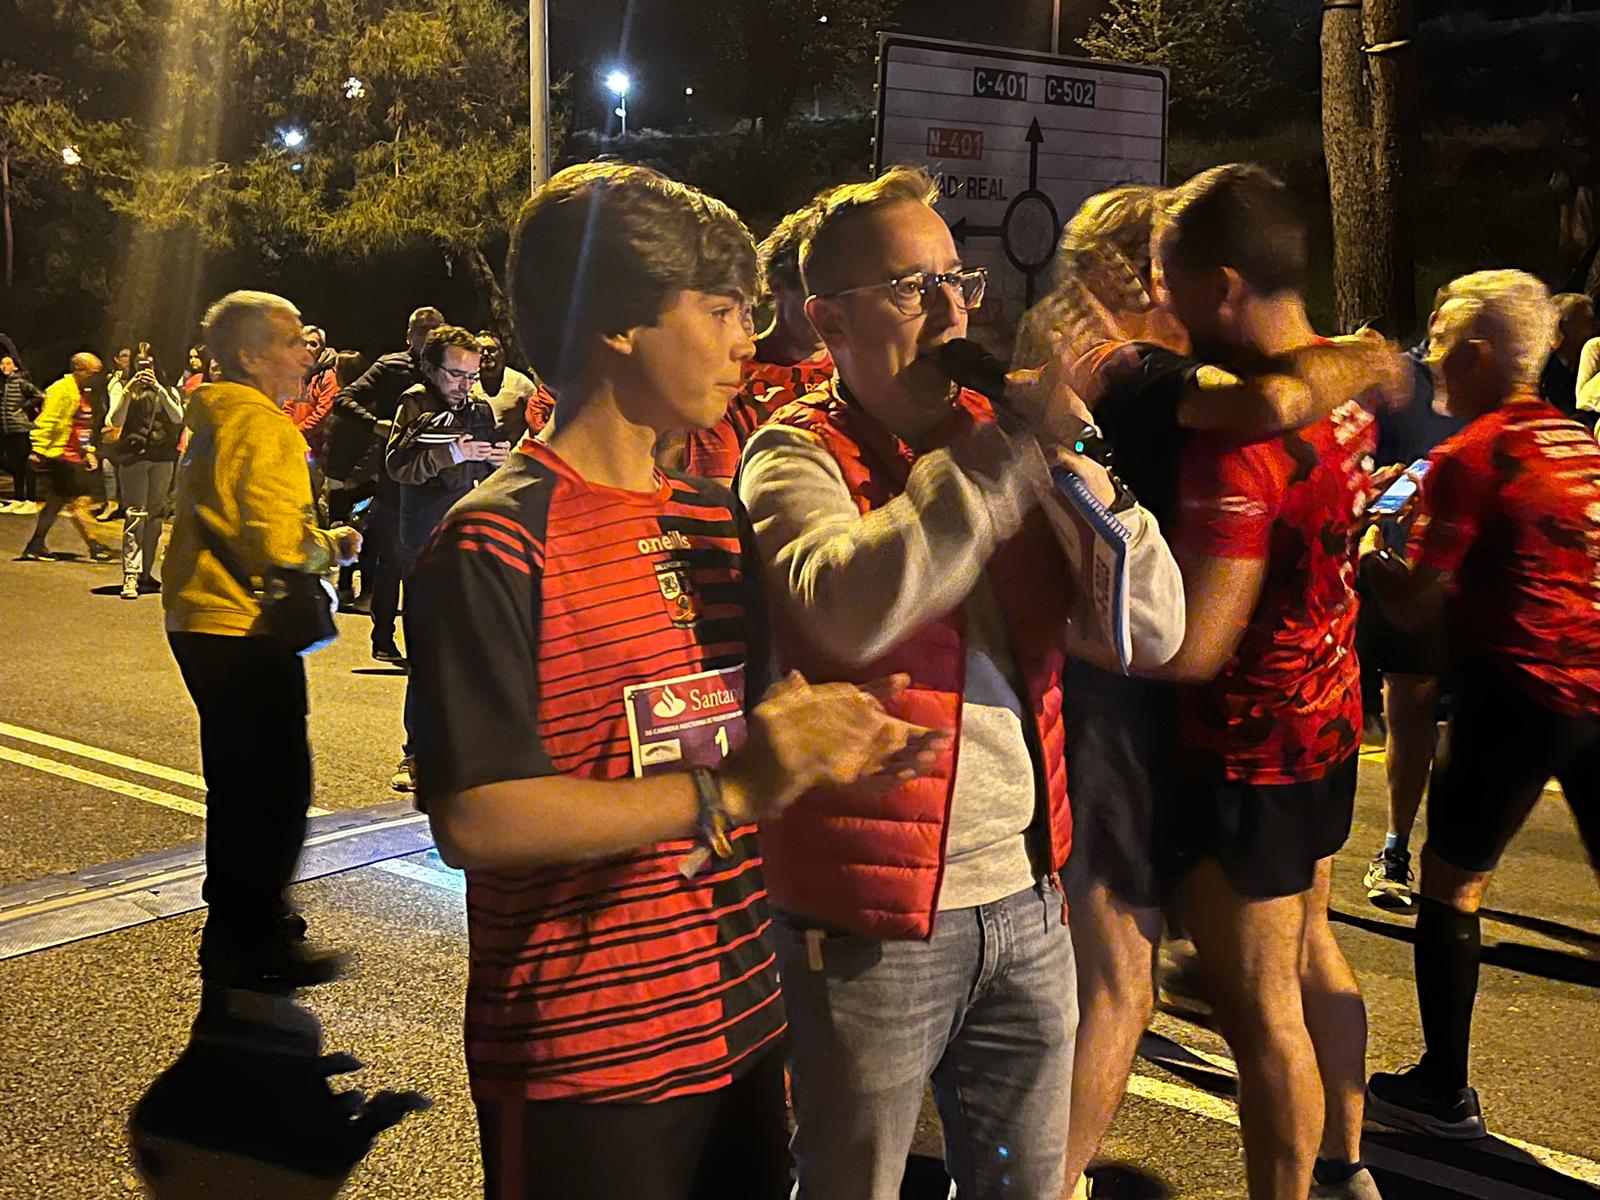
1115	947
1250	952
1337	1020
78	510
1410	703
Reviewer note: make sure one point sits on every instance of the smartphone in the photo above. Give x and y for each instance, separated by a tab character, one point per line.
1399	493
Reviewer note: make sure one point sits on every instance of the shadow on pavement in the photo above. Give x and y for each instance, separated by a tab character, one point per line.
1556	965
247	1111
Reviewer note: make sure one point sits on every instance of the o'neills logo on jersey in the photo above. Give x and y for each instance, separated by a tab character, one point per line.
671	540
677	590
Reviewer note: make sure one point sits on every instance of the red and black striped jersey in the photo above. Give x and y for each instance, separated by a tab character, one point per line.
540	599
764	388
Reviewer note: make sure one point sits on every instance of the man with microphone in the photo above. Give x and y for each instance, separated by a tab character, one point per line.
899	527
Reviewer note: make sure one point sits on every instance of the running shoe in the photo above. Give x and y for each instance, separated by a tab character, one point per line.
100	554
35	553
1409	1101
130	587
388	653
405	775
1388	881
10	506
1360	1186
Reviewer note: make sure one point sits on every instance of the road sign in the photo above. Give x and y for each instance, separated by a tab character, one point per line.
1016	141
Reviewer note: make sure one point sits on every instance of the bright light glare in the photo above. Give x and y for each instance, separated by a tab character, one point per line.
619	82
620	112
293	138
688	91
823	19
354	89
70	156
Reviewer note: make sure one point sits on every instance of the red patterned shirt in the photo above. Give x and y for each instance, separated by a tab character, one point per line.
540	599
1287	707
714	453
1511	507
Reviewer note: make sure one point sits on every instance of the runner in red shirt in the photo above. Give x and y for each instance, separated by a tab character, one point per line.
1271	720
790	359
585	644
1509	529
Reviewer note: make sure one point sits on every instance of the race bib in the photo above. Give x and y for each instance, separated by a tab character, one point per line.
690	721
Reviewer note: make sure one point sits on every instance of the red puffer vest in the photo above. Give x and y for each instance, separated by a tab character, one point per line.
870	861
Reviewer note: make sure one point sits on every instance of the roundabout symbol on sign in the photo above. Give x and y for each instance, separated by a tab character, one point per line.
1031	227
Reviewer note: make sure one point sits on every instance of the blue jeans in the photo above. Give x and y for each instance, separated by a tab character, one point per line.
988	1008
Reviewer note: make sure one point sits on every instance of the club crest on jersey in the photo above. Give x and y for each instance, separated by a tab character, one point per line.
677	589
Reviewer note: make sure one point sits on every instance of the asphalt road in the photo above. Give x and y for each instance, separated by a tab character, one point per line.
99	764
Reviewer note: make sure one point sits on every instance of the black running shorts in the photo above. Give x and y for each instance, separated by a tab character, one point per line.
1504	747
1269	837
1121	780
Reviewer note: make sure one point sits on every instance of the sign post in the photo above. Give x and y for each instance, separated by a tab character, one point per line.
1016	141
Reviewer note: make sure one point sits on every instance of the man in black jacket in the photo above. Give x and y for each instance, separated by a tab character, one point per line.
443	444
357	431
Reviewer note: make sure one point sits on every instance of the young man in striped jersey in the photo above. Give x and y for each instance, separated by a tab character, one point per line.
586	643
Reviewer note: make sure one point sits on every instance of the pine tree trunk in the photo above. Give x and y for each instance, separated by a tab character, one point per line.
5	203
486	281
1390	28
1347	147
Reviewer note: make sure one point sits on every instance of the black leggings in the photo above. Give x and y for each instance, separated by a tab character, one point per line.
14	451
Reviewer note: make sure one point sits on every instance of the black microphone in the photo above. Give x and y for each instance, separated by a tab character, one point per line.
974	368
970	366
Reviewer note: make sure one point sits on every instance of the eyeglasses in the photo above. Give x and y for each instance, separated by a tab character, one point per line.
913	293
459	376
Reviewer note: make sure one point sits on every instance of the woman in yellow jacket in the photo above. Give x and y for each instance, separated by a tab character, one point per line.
244	496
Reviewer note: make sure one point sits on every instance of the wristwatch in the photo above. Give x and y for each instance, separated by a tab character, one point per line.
713	822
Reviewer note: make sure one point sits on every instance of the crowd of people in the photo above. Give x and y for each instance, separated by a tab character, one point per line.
754	685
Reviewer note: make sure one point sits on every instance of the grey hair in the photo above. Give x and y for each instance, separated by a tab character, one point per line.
240	321
1513	312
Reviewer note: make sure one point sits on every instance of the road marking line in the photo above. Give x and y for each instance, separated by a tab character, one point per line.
144	883
109	757
1465	1183
136	791
1572	1165
113	759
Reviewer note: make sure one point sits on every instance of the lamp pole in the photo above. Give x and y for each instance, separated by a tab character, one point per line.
538	93
1055	28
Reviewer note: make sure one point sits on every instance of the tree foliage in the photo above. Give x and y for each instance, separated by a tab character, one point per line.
415	122
1213	48
769	54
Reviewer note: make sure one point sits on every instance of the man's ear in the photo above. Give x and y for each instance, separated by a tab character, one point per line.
621	342
1231	290
825	318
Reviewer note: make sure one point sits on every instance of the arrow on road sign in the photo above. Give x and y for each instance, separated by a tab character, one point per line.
1035	140
961	231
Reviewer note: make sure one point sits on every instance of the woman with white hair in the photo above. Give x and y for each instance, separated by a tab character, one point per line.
243	519
1508	528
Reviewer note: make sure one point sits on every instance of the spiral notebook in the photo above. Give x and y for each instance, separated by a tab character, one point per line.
1097	552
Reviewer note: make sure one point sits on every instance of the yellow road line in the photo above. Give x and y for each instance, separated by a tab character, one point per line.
135	791
112	759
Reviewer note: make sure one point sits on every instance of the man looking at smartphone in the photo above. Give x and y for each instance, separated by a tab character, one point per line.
444	444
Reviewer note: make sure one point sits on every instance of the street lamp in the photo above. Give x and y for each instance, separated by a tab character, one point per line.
292	138
354	89
618	83
70	156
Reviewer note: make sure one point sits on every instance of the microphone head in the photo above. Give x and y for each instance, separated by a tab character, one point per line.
971	366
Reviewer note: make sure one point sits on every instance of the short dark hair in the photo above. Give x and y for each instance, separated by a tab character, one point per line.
444	336
838	207
1241	216
779	252
603	247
